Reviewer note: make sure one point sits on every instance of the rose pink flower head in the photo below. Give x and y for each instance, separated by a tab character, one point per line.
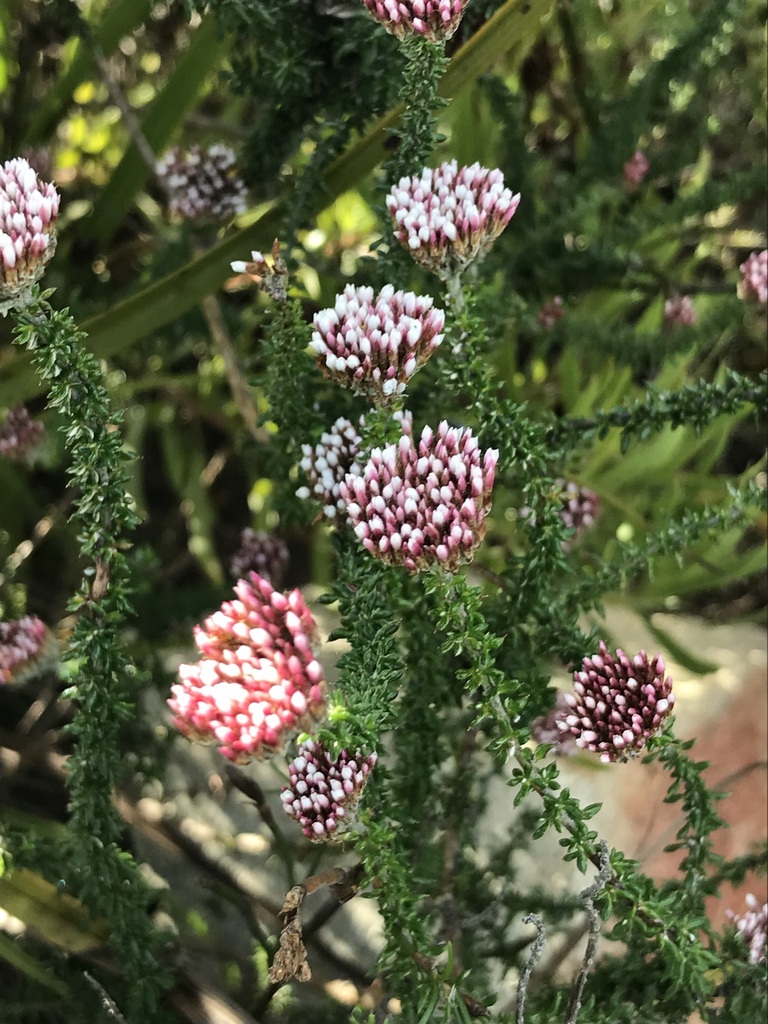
636	169
435	20
27	649
448	216
202	183
618	703
679	312
754	277
426	503
323	793
752	927
374	345
29	208
257	681
19	434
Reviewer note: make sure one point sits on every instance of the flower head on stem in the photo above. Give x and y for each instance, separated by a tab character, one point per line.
448	216
435	20
258	681
375	344
29	208
618	703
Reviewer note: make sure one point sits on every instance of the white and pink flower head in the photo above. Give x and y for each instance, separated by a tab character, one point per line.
29	208
323	792
448	216
375	344
425	503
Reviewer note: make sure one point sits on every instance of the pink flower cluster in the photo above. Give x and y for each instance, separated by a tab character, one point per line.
27	648
260	552
202	183
329	463
323	793
434	19
423	504
544	729
679	312
19	433
580	509
551	312
754	277
753	928
375	345
28	212
636	169
448	216
258	680
618	703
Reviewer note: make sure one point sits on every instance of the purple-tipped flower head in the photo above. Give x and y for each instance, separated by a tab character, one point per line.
754	277
618	703
27	649
28	211
257	681
323	794
328	463
551	312
636	169
19	434
375	345
202	183
580	509
753	928
263	553
448	216
423	504
679	312
435	20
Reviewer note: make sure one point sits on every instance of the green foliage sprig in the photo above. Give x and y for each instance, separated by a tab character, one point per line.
97	869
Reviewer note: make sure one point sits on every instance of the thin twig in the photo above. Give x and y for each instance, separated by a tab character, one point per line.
106	999
533	958
587	896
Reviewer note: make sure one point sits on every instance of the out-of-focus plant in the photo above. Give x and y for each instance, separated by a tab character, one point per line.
514	318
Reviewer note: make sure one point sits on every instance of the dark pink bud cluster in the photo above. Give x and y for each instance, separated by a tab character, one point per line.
27	648
202	183
551	312
28	211
328	463
580	508
636	169
679	312
618	703
754	277
448	216
420	505
19	433
375	345
323	793
434	19
258	681
263	553
753	928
